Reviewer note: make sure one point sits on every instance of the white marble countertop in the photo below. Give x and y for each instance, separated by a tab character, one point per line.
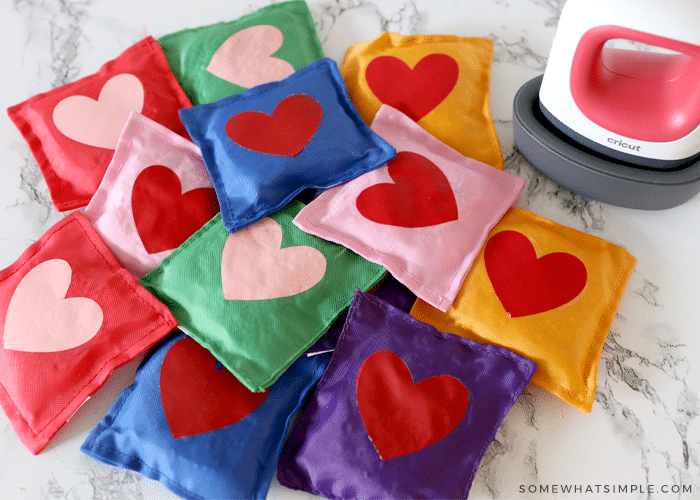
644	430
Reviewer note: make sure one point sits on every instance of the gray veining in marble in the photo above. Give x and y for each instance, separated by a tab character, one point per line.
648	291
554	7
116	484
404	20
589	213
638	369
517	52
64	19
33	185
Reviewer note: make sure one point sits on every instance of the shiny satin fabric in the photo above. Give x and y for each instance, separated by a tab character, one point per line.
69	316
226	58
389	290
155	194
545	291
72	130
424	215
366	432
260	297
266	145
236	460
441	81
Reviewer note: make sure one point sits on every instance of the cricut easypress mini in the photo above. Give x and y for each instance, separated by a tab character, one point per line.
621	125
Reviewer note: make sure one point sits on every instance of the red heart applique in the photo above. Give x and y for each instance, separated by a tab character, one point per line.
526	284
198	398
421	196
415	92
401	417
284	133
165	216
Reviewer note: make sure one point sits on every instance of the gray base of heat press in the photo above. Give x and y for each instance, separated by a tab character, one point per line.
590	173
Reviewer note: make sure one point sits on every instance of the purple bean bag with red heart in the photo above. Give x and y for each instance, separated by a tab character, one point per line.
403	410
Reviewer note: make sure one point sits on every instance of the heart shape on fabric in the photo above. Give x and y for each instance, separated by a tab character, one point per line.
526	284
402	417
244	59
40	318
415	92
255	267
165	216
284	133
99	122
198	396
420	196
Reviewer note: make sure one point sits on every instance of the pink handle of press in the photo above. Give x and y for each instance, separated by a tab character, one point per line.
646	96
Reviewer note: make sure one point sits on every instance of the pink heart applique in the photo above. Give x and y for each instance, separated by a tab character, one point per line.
244	59
99	122
40	318
254	267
